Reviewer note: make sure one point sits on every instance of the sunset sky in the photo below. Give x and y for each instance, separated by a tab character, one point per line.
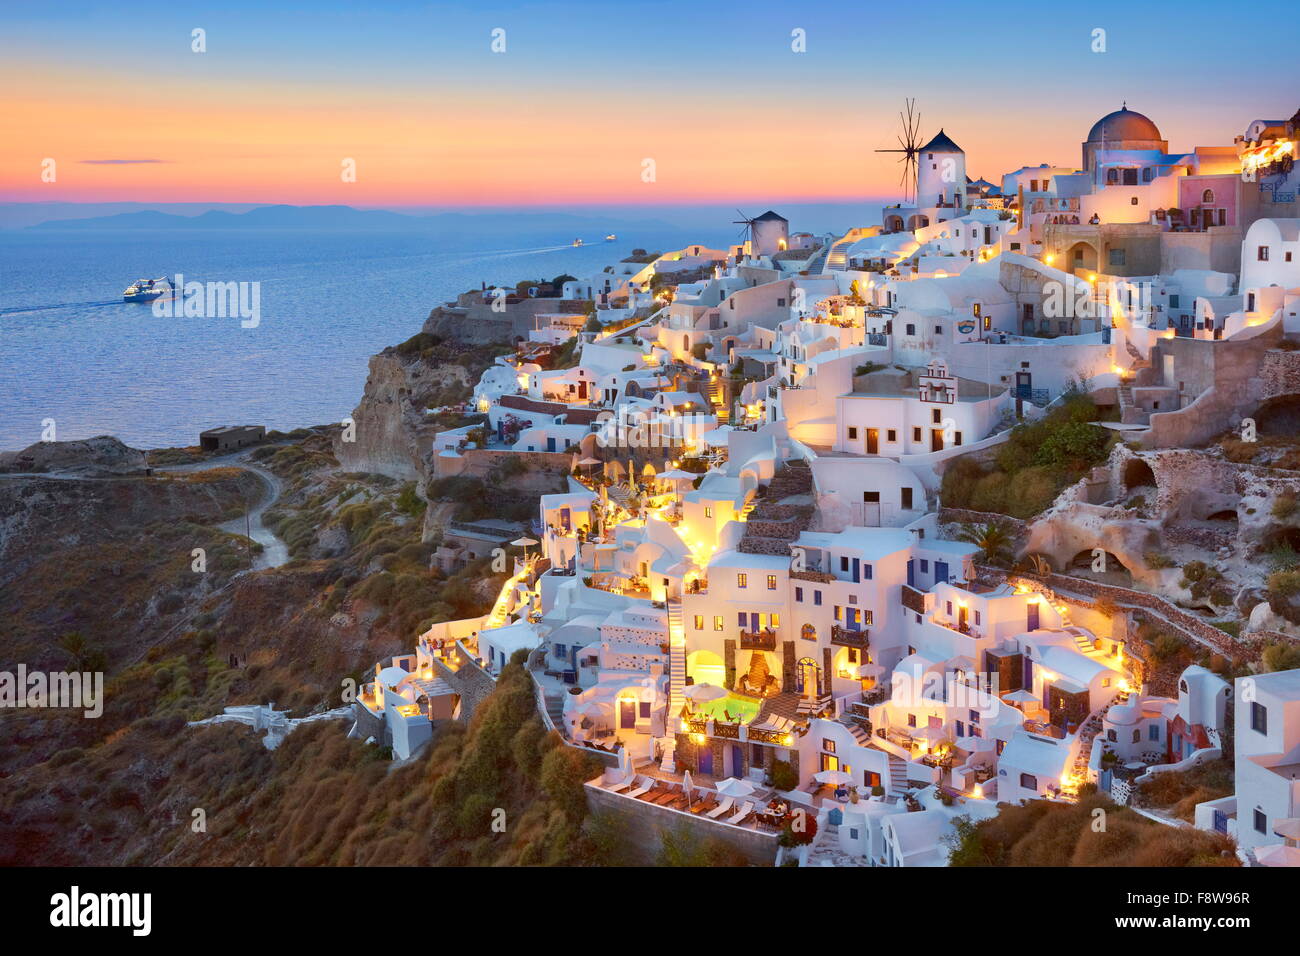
585	91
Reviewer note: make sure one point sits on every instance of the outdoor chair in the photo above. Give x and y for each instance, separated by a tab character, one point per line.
643	788
721	808
743	813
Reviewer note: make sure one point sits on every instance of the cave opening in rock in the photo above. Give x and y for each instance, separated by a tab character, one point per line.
1111	570
1138	474
1222	516
1282	537
1279	416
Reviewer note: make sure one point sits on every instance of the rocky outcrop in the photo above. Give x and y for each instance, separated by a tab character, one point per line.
100	456
386	426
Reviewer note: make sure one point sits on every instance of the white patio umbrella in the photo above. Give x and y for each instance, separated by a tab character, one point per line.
870	670
731	787
523	543
702	693
1020	697
928	733
1288	828
837	778
687	786
1278	856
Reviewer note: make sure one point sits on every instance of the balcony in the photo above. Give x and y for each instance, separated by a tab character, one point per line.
843	637
758	640
817	577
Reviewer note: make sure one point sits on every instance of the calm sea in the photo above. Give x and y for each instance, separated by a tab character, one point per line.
71	350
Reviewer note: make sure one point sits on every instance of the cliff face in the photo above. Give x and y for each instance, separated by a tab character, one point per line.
388	425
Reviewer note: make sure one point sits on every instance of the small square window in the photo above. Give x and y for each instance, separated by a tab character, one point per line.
1261	821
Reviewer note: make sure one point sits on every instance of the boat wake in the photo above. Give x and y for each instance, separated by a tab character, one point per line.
24	309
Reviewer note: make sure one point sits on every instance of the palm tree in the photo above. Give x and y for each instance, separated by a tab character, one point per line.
994	540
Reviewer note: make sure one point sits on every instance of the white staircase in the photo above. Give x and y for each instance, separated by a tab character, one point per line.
676	684
897	776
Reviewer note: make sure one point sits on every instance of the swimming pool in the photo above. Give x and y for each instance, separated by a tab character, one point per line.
746	708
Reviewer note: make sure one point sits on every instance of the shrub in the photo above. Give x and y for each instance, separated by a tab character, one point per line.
783	776
1284	506
1238	451
1158	561
799	829
1281	657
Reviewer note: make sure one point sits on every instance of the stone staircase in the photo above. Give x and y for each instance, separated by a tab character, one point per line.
555	708
778	518
898	784
860	733
718	398
1087	736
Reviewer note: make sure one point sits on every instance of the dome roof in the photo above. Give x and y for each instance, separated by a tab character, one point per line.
1123	124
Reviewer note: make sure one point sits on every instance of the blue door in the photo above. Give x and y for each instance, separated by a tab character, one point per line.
737	761
706	760
1032	617
857	570
550	444
911	573
941	572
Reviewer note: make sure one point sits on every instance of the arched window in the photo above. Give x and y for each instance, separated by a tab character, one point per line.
1207	196
1112	175
808	632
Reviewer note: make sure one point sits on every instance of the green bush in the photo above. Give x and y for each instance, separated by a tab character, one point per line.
783	776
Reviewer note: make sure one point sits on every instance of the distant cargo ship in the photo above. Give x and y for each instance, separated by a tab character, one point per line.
146	290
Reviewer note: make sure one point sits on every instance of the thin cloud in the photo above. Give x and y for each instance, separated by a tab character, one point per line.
118	162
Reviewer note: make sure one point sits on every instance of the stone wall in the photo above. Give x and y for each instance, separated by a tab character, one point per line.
1226	379
1280	373
645	823
469	680
1156	610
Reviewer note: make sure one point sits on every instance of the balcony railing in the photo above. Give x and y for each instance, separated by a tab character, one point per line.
847	638
758	640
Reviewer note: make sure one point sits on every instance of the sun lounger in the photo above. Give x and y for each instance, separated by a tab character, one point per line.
742	814
700	806
721	808
668	796
653	795
619	787
643	788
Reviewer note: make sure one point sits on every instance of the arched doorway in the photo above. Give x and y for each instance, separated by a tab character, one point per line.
1081	258
807	678
893	223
